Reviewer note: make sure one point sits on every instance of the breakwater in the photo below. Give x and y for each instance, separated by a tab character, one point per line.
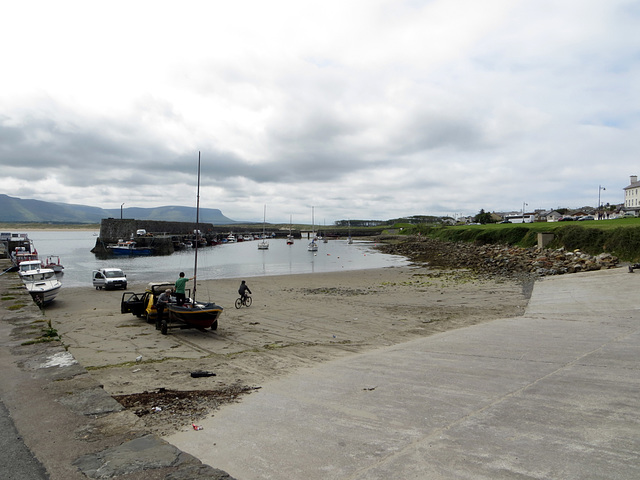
163	237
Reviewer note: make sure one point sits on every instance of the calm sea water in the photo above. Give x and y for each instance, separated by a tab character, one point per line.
221	261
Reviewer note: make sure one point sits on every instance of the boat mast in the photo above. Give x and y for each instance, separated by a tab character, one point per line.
195	267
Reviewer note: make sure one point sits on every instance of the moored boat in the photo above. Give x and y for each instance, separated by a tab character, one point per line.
264	244
42	284
29	265
313	246
128	247
53	262
290	236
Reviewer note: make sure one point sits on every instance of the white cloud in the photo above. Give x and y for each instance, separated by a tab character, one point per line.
365	109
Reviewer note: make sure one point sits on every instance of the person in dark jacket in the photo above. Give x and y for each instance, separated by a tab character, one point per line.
243	290
161	304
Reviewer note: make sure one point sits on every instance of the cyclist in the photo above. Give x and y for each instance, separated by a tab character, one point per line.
243	290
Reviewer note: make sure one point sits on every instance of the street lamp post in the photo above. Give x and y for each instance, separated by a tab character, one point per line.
121	211
600	188
523	205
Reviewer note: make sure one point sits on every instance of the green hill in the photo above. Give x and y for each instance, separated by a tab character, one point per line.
18	210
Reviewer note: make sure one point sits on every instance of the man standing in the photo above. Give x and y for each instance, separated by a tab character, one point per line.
180	288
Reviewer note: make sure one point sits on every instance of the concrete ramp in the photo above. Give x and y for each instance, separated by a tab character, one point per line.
554	394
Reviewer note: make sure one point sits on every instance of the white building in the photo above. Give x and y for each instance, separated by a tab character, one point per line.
527	218
632	195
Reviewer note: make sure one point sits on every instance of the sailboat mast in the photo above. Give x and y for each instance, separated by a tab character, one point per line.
197	232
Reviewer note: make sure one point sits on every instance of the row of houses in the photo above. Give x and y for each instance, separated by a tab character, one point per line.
630	207
588	213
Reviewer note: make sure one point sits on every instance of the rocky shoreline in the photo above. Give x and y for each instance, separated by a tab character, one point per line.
494	259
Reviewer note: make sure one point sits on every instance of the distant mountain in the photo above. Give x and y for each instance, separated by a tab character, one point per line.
14	209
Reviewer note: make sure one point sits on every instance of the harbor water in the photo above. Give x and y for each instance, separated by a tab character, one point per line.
233	260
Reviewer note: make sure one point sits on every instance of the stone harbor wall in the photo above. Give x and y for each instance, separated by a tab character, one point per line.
161	236
112	229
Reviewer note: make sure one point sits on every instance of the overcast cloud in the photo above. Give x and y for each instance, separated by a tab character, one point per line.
365	109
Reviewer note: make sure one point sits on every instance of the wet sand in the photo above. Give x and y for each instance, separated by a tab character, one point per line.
295	321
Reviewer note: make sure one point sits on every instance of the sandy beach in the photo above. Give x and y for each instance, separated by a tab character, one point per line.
295	321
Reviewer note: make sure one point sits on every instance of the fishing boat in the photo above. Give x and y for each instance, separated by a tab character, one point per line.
192	314
128	247
313	246
42	284
53	262
263	244
290	236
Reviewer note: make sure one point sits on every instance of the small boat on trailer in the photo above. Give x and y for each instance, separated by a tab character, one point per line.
192	314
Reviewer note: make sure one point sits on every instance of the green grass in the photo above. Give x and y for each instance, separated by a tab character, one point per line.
620	237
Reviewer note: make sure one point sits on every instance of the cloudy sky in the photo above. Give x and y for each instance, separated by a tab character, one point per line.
364	109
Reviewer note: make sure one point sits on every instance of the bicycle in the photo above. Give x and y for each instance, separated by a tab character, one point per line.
243	301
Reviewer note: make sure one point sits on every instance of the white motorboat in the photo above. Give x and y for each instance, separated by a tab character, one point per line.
42	284
29	265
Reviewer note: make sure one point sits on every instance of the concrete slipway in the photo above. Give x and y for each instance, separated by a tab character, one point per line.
554	394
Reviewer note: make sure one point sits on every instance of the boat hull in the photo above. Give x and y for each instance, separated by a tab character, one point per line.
130	251
44	295
198	315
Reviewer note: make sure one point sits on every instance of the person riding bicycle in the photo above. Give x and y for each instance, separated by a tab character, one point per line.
243	290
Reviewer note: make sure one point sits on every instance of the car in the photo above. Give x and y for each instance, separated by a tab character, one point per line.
109	278
586	217
566	219
144	304
506	221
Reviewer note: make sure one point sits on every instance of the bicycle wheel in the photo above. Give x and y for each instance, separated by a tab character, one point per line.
247	301
238	303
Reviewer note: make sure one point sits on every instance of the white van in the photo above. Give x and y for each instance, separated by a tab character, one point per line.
109	278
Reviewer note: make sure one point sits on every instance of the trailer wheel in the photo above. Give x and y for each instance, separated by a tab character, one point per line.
164	327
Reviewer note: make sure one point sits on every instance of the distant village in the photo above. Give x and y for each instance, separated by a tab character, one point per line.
629	208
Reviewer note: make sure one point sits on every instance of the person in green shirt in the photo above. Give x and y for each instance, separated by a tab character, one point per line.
180	287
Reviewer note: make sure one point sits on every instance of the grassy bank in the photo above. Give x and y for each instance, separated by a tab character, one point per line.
620	237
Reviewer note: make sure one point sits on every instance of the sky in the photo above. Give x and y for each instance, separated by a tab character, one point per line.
361	109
